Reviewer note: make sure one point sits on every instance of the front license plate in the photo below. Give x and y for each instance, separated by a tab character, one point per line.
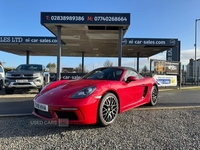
42	107
22	81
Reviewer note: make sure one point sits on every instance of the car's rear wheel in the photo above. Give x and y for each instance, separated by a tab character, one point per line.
108	109
9	91
153	96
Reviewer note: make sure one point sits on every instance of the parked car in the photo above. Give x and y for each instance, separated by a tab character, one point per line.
172	67
2	77
98	97
26	76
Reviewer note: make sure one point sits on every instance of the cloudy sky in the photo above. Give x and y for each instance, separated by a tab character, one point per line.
149	19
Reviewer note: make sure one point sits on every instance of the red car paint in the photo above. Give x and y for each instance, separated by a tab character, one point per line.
57	96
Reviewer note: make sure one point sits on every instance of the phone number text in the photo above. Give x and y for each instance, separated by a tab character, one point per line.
108	18
68	18
82	18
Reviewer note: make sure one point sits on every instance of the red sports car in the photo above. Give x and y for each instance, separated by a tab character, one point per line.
98	97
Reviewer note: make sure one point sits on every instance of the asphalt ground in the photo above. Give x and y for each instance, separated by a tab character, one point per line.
173	124
21	102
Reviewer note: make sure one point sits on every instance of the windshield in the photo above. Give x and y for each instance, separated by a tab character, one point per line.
29	68
105	74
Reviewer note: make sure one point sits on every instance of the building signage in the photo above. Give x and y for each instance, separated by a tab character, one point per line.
173	54
85	18
164	67
28	40
166	80
66	76
149	42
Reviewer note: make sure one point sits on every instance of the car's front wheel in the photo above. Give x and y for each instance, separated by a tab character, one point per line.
108	109
153	96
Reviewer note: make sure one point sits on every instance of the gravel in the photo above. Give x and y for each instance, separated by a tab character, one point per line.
135	129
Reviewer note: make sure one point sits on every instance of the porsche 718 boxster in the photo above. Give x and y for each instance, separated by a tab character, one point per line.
96	98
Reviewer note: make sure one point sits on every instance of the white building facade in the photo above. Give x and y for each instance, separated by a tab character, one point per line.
191	70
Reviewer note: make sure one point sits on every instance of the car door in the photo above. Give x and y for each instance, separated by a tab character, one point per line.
131	92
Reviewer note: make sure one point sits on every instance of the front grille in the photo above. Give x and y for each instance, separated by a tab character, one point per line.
43	113
67	115
18	77
24	75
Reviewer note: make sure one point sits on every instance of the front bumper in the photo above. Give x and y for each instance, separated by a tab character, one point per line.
78	112
37	83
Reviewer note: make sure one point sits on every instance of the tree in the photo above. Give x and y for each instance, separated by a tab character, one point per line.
51	67
8	69
145	69
108	63
1	63
79	69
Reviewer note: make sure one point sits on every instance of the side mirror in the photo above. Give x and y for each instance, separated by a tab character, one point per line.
131	78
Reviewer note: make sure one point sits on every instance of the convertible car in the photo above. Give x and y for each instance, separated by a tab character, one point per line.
96	98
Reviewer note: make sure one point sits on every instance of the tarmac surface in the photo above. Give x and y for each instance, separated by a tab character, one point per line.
21	102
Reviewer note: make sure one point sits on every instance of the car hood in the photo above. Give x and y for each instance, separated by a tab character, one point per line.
67	89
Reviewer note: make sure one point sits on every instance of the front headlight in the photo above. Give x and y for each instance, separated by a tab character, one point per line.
8	74
84	92
36	74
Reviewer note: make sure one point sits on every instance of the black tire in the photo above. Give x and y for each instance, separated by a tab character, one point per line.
9	91
153	96
1	84
108	109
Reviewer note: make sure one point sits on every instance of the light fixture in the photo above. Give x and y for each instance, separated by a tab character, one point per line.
72	44
95	49
77	36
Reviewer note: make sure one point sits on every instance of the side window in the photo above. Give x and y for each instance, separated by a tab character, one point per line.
130	73
1	69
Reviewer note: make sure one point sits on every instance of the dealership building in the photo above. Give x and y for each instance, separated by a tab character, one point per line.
91	35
